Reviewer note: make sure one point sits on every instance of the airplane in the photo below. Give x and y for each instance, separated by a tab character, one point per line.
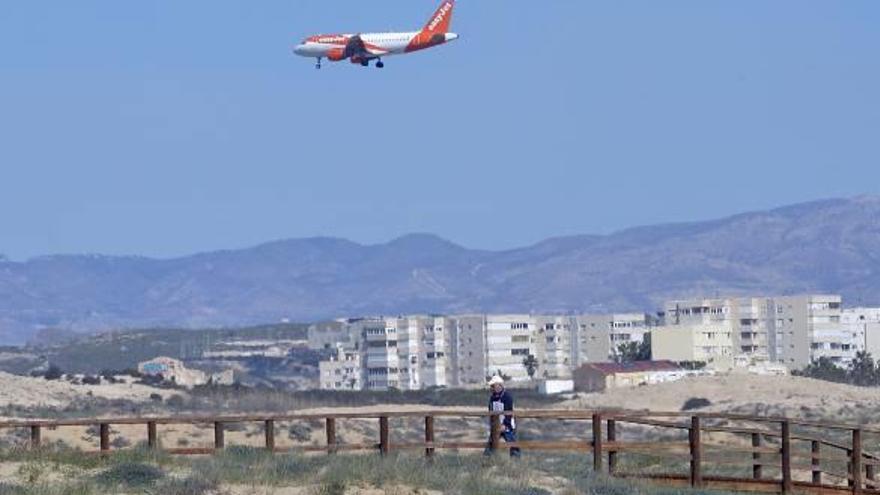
363	48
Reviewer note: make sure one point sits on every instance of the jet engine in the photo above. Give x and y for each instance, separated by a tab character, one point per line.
336	54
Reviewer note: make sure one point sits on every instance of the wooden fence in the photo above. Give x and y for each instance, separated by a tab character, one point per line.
724	451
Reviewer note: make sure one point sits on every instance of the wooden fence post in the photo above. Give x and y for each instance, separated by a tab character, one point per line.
104	430
383	435
757	467
36	437
152	436
219	436
597	442
429	436
612	454
269	427
696	454
331	435
494	432
857	460
816	464
849	468
786	457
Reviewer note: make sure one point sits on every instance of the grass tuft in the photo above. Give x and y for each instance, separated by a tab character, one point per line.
192	485
130	474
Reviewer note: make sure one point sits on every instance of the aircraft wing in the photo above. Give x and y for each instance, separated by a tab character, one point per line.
357	48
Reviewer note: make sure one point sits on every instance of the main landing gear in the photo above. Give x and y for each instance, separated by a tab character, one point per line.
380	64
318	65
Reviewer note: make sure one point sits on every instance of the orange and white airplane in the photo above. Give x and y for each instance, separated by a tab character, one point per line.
362	48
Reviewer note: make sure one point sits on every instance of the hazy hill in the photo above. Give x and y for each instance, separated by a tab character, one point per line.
828	246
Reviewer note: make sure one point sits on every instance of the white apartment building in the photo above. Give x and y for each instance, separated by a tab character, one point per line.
469	365
711	343
792	330
598	336
422	351
406	353
809	327
509	340
553	346
747	319
381	358
864	325
342	371
416	352
424	348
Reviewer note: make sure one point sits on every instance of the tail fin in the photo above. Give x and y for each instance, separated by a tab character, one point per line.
442	19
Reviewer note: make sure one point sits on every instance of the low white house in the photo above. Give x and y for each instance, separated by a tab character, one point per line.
552	387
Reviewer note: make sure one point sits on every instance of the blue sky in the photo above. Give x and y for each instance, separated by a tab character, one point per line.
164	128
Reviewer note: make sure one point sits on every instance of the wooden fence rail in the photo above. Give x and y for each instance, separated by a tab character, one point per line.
773	455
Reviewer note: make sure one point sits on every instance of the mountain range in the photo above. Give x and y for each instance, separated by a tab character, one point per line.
829	246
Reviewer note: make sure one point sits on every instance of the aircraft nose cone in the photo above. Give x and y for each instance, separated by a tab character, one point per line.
299	49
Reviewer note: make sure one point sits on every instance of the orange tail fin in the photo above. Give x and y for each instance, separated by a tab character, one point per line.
442	19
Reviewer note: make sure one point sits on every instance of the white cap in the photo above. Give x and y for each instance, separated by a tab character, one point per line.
496	380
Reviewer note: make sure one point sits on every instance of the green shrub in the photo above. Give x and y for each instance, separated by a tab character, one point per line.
53	373
299	432
10	489
696	403
192	485
130	474
91	380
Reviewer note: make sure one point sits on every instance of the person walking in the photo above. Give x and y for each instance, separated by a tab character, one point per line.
501	400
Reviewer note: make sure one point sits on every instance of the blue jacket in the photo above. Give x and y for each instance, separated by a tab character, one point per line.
500	403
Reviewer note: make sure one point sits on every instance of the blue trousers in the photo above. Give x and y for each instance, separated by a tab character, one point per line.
508	436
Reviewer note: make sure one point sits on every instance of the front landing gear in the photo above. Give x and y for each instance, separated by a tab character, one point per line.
380	64
318	65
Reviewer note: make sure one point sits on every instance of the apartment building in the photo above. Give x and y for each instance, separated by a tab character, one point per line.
598	337
424	351
711	343
748	320
342	371
406	353
809	327
552	348
381	361
468	350
415	352
864	326
509	340
792	330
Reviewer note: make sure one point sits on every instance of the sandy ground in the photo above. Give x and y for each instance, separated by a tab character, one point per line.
726	392
27	391
796	397
309	490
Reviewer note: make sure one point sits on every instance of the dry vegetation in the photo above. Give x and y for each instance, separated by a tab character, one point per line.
243	471
60	470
